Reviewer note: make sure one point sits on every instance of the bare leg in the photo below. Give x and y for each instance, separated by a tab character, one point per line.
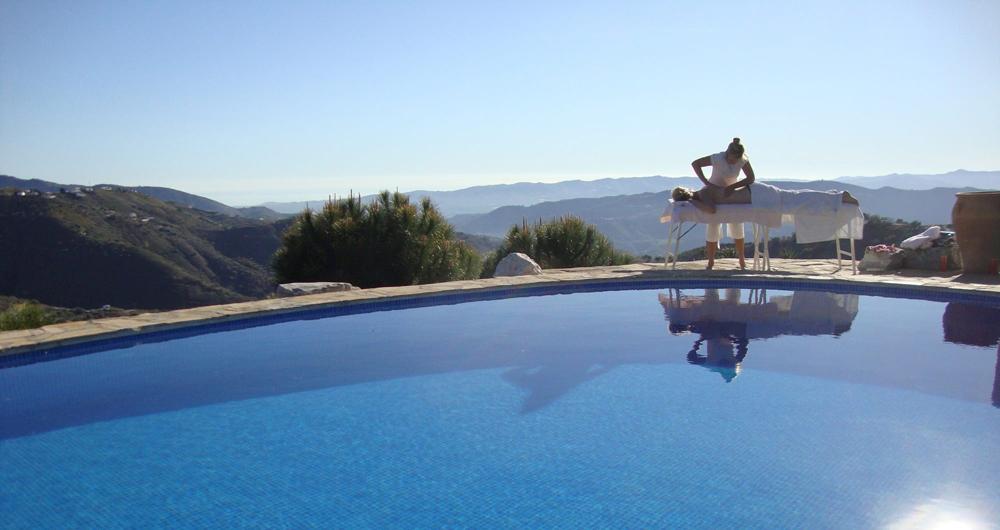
710	252
740	252
849	199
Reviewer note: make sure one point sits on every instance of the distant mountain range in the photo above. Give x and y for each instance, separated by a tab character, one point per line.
986	180
632	221
164	194
482	199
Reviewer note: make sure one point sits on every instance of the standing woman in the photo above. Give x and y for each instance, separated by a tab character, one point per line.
725	187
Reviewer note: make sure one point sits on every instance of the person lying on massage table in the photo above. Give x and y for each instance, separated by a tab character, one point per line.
725	187
699	200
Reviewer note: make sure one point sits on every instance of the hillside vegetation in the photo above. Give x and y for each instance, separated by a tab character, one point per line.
129	250
23	315
15	310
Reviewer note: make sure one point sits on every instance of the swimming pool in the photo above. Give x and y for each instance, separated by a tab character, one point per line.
651	407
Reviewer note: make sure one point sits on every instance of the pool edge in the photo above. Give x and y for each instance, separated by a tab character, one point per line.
75	333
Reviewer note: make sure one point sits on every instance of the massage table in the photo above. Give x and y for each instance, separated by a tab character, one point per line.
813	223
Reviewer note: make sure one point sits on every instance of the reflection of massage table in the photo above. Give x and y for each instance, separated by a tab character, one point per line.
802	313
812	222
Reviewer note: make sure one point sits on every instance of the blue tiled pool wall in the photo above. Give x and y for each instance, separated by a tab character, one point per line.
499	293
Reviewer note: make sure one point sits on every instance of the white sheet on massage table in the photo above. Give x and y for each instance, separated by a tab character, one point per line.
809	228
725	213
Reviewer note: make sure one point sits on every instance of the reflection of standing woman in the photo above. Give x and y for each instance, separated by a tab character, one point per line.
725	187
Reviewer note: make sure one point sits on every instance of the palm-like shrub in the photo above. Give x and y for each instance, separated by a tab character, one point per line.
561	243
385	242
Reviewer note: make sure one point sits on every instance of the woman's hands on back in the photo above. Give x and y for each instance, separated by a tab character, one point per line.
750	178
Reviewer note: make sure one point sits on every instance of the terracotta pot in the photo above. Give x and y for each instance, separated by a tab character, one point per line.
976	217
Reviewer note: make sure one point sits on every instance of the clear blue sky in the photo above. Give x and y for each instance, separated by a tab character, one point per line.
248	101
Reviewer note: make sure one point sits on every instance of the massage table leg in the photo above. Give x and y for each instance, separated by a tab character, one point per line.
767	248
666	248
677	243
673	240
851	254
756	246
854	259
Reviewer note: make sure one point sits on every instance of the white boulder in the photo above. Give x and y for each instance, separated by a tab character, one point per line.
517	264
300	288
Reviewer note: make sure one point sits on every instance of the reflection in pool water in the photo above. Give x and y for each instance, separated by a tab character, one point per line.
567	410
727	323
975	325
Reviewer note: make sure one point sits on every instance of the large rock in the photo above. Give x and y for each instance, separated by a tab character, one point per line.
517	264
300	288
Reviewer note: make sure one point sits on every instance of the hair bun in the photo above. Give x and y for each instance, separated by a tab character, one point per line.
736	140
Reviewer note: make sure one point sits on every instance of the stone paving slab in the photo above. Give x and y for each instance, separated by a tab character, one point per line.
799	270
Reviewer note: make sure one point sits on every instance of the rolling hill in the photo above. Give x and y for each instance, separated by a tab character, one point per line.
164	194
127	249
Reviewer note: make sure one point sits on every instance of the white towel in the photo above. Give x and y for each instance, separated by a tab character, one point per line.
924	239
817	215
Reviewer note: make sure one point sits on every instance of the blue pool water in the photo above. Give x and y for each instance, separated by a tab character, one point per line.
700	408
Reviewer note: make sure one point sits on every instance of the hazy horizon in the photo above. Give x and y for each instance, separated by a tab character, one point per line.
320	194
296	195
280	101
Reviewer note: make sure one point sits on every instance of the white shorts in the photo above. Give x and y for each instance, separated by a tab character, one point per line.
714	231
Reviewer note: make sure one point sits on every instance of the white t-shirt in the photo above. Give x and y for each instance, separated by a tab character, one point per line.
724	173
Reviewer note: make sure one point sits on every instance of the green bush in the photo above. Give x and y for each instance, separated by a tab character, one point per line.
385	242
558	244
23	315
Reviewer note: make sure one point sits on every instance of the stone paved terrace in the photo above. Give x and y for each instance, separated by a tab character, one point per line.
821	272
